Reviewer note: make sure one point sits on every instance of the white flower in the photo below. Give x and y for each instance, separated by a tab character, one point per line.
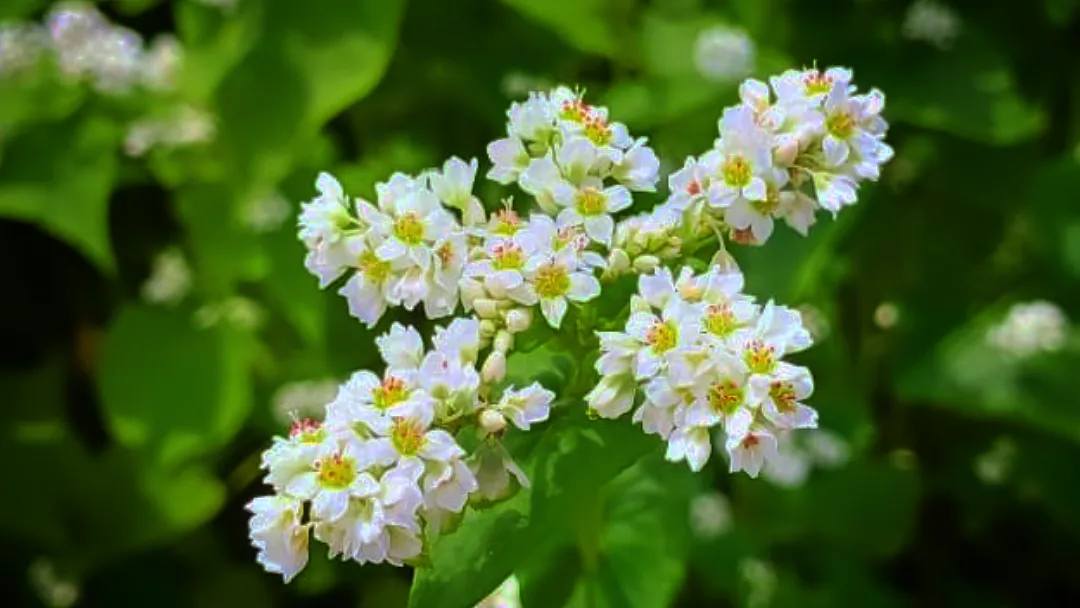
401	347
336	477
446	487
854	129
554	281
690	443
276	531
688	186
780	396
612	396
723	53
527	406
639	167
532	119
931	22
661	336
460	339
710	515
509	158
740	160
454	186
502	270
750	451
289	460
493	468
410	438
543	179
592	207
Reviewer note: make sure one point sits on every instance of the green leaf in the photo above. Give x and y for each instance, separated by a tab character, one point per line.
585	24
60	179
569	469
170	387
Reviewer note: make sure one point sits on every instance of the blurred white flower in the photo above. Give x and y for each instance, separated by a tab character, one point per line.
303	399
760	580
506	595
886	315
931	22
169	280
21	47
235	311
710	515
723	53
265	213
1030	328
184	126
52	589
993	466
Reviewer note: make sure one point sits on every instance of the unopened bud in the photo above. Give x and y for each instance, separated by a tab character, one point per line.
646	263
492	421
486	308
518	320
471	290
787	151
504	341
618	262
724	262
494	368
639	304
487	329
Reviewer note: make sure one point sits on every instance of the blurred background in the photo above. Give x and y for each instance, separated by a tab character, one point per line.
157	325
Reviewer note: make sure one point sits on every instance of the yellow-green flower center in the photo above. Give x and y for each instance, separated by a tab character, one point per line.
597	131
507	223
662	336
591	201
508	257
551	281
840	124
407	436
720	321
391	392
336	471
736	171
725	396
817	83
770	204
373	269
409	229
307	430
783	395
759	357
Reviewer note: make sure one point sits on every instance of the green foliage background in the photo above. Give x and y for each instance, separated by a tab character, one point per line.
131	436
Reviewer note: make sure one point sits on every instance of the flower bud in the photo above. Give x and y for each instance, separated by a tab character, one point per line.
646	264
724	262
787	151
492	421
618	262
486	308
494	368
487	329
504	341
471	290
639	304
518	320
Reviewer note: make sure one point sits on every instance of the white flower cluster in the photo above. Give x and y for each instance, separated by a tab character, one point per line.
786	150
704	356
1030	328
182	126
931	22
111	57
383	467
86	46
578	164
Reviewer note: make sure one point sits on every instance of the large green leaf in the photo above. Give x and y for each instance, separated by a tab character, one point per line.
60	179
586	24
171	387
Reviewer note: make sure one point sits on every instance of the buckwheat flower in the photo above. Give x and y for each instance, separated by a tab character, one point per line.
638	168
690	443
797	210
289	459
741	159
410	439
560	237
369	290
459	340
661	336
710	515
531	120
578	157
454	186
592	207
325	218
555	280
495	470
502	271
794	86
723	53
575	117
160	63
780	396
267	213
401	347
380	525
509	159
446	488
410	225
527	406
22	46
450	384
276	531
854	129
834	191
689	185
750	451
543	179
